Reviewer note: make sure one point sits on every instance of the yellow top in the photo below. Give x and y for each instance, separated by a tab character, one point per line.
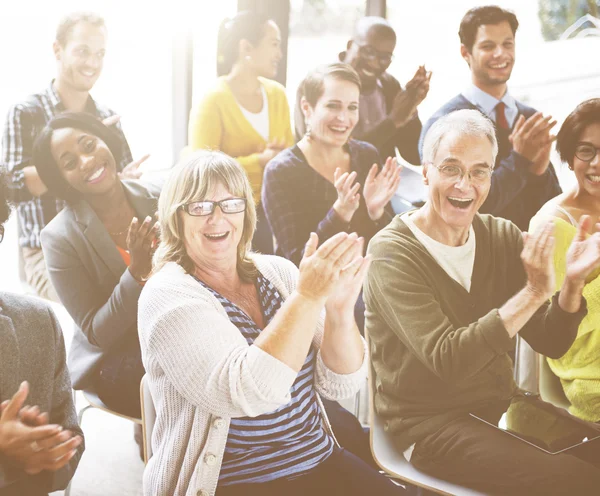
579	368
217	123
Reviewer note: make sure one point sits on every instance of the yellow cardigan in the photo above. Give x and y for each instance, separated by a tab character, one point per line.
579	368
217	123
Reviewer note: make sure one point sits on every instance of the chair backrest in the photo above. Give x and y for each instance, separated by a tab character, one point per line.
551	389
148	417
392	461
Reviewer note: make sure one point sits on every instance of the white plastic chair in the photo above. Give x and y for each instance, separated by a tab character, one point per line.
148	418
392	461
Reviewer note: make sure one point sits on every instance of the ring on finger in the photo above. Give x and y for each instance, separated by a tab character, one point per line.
35	446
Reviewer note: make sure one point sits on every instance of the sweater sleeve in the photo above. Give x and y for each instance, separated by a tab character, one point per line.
287	210
102	321
397	292
205	356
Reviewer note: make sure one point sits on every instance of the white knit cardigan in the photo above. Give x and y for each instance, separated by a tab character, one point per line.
202	373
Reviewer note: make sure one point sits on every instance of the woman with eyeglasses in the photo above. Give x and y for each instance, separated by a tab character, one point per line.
578	144
99	252
246	114
239	347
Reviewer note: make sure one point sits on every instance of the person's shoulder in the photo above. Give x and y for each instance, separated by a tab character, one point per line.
362	148
24	308
499	229
277	269
61	224
525	109
285	160
389	82
393	238
141	187
273	87
217	93
458	102
30	105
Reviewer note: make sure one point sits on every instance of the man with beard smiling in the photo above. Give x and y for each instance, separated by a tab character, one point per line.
79	50
446	294
523	179
387	113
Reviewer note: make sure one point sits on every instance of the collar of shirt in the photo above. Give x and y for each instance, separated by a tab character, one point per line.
487	103
54	97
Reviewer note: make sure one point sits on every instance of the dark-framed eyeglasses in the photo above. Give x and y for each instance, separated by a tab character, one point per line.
206	207
478	175
586	152
370	53
1	232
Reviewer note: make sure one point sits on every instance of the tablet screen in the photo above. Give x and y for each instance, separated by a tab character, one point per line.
543	425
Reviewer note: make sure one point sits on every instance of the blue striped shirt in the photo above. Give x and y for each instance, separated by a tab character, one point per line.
287	442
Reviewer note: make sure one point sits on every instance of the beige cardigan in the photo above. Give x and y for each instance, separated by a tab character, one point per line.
202	373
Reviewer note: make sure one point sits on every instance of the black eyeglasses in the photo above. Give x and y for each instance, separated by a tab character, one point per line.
229	206
370	53
586	152
1	233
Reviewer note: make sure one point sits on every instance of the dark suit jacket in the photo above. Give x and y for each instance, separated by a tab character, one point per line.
515	193
32	349
385	136
93	282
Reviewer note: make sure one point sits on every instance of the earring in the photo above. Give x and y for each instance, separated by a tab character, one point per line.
307	132
570	167
247	58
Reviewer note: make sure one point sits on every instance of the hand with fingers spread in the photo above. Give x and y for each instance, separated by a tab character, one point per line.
380	187
538	260
33	448
583	256
321	269
141	242
531	138
405	104
131	171
348	198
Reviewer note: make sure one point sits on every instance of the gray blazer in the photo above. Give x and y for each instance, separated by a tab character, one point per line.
92	281
32	349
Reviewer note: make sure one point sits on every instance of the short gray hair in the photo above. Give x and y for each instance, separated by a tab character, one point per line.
461	122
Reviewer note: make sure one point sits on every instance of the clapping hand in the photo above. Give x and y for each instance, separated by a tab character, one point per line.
531	138
538	260
141	243
583	256
348	198
405	104
345	294
380	187
33	448
131	170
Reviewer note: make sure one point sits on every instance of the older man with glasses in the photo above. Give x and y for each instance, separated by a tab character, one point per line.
447	292
388	116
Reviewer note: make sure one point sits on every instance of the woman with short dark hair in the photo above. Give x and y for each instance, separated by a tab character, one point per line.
98	250
578	144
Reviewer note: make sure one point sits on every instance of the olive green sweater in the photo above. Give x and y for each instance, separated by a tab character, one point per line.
439	351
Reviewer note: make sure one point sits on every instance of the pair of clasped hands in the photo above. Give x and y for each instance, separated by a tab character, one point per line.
29	441
379	188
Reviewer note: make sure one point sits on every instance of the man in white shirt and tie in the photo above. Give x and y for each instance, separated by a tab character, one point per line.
523	178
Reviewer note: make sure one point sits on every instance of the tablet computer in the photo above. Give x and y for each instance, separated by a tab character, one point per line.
544	426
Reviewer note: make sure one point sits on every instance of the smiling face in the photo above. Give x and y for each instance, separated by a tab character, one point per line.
335	114
266	55
371	55
588	173
80	61
454	202
84	160
212	240
492	56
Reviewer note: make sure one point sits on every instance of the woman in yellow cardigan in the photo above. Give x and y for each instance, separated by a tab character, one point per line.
578	144
246	114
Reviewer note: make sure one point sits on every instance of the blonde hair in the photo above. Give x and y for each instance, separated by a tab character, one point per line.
313	85
190	181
